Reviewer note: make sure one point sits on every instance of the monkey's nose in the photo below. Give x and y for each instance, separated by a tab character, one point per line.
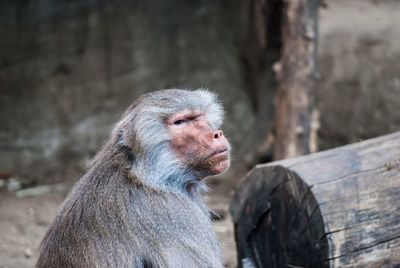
218	134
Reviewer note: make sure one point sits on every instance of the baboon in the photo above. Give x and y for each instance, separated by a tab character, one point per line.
140	204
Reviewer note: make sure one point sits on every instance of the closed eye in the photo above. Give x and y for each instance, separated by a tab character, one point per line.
185	120
180	121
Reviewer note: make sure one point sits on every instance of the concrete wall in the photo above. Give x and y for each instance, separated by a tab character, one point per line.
68	69
359	92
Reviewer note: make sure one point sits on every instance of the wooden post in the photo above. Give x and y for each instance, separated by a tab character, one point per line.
295	119
337	208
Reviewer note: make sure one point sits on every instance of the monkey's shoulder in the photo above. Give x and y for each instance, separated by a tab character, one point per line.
112	220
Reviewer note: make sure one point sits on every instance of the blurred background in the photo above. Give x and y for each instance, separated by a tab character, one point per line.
69	68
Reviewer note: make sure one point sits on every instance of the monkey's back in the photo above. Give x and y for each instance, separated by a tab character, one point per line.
116	221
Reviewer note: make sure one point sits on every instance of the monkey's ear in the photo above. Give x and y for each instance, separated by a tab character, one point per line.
120	136
123	133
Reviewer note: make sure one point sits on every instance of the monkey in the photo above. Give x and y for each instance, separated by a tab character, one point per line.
140	202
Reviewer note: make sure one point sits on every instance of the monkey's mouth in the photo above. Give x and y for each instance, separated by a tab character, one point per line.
219	155
219	161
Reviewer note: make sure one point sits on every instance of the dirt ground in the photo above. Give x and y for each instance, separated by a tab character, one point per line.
24	221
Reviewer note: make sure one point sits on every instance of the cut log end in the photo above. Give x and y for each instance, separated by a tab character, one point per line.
278	222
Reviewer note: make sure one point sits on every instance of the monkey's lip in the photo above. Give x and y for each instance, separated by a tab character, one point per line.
220	154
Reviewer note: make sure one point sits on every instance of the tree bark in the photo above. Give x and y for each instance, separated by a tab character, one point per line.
295	118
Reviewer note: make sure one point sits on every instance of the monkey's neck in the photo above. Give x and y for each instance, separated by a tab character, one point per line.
177	179
158	170
161	170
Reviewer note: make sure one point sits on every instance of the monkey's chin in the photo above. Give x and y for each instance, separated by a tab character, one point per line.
220	167
219	163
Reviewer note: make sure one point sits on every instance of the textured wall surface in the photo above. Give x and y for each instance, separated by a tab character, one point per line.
359	93
68	69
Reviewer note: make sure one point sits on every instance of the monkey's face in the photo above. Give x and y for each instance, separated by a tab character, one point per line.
197	144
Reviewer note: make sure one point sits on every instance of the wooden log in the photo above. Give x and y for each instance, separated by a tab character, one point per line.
337	208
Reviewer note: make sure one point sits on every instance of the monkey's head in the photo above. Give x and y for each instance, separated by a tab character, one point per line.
175	137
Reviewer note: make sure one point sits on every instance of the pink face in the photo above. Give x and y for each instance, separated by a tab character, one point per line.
196	143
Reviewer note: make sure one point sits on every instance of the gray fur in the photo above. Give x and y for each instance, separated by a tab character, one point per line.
154	162
138	206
